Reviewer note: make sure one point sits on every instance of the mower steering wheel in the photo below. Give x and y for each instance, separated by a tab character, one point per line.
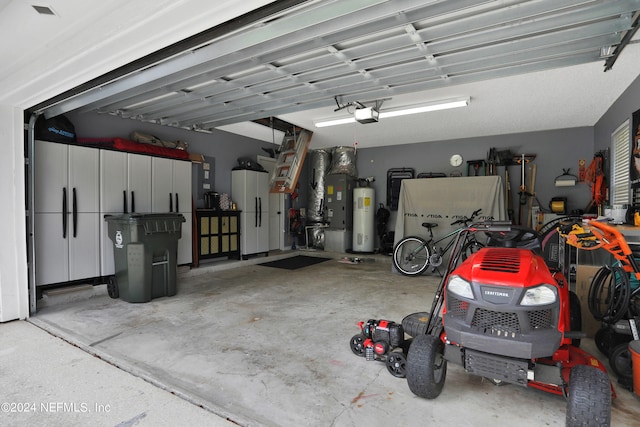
517	237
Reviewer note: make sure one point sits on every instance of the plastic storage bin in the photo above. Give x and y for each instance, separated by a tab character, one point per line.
145	248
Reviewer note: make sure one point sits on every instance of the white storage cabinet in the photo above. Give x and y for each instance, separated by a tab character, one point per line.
171	192
66	213
250	192
125	186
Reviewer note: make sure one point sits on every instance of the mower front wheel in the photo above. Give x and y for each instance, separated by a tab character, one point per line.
426	366
589	398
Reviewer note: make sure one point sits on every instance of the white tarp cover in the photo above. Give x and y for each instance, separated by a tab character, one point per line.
445	200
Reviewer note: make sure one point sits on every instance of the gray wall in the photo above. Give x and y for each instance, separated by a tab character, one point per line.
555	150
622	109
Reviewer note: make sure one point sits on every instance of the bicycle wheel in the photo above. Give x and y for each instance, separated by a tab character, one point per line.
411	256
470	248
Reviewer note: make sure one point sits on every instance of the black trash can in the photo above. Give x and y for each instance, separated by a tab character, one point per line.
145	249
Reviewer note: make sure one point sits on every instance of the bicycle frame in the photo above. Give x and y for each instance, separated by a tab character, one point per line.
448	246
431	243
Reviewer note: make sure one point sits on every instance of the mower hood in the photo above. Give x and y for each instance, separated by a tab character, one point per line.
515	268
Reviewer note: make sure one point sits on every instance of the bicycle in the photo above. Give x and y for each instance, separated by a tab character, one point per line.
413	255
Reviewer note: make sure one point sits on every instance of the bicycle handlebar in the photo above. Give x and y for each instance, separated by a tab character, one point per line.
466	220
492	226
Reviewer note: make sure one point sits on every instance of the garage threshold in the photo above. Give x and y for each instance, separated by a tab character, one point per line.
268	347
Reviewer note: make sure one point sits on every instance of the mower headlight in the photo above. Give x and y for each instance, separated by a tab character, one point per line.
460	287
540	295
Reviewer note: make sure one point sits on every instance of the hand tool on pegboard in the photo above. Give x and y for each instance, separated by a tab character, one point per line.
508	196
532	193
522	160
582	170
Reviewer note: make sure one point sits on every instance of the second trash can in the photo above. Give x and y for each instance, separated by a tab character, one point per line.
145	248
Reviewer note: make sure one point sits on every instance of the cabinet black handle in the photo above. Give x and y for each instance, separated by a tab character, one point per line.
75	213
133	202
170	202
260	210
177	203
256	212
65	212
124	201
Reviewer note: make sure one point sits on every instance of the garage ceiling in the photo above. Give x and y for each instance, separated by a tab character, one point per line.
302	62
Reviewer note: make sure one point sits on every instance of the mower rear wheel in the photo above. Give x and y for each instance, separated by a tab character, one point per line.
589	397
357	345
620	361
397	364
607	339
426	366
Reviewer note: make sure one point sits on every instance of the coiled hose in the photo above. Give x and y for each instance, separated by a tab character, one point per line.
609	294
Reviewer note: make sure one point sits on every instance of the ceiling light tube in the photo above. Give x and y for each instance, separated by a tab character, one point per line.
441	105
403	111
335	122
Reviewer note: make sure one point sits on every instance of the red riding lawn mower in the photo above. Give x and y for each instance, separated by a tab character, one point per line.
503	315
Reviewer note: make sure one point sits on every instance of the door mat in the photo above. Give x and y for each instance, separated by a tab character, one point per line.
295	262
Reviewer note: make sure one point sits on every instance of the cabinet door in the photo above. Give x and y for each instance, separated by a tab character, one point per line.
113	187
224	233
203	235
185	248
215	234
263	235
52	254
182	203
51	166
262	189
244	190
113	181
249	234
276	221
182	186
139	182
84	253
161	185
84	164
234	229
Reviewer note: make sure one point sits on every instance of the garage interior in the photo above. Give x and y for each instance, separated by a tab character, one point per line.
546	82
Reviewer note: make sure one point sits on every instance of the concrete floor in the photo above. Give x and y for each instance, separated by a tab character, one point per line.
263	346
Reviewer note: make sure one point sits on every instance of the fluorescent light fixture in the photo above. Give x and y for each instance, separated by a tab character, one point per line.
335	122
440	105
403	111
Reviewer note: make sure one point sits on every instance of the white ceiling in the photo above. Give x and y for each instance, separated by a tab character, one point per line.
87	38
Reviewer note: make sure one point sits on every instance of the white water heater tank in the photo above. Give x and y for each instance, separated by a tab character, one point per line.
363	219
